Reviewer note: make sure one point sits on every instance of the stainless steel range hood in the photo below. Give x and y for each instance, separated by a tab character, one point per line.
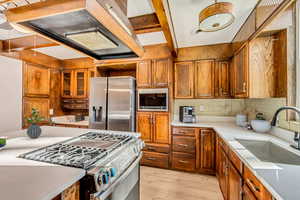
97	28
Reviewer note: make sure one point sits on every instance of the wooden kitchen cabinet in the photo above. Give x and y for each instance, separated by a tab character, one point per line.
223	174
75	83
153	73
144	74
235	183
247	194
184	80
241	69
222	79
153	126
72	193
161	73
207	150
204	79
36	80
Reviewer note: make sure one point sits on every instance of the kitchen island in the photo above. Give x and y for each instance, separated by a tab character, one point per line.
32	180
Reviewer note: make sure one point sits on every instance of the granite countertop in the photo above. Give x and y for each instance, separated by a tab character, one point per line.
282	180
32	180
79	123
70	120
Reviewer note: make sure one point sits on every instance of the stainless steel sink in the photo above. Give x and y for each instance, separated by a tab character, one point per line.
267	151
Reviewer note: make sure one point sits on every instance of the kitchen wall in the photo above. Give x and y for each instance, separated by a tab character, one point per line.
212	107
11	94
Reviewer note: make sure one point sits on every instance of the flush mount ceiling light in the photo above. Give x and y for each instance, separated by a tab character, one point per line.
216	17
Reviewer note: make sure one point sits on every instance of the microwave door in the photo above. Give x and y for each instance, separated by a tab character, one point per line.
98	99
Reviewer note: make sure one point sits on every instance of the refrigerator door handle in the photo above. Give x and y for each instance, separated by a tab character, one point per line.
100	112
94	114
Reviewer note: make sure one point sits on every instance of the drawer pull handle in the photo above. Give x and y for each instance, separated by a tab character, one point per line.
151	158
183	161
151	148
253	187
183	145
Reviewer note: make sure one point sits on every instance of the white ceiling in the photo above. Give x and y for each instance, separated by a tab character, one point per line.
184	14
60	52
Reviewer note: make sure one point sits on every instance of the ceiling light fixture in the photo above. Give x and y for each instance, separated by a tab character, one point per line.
216	17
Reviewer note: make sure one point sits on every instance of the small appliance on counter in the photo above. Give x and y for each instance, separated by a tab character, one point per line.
187	114
241	120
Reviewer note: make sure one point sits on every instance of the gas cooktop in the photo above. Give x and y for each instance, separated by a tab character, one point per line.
82	151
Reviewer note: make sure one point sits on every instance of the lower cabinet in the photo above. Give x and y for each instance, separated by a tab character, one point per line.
247	194
235	183
207	150
155	159
183	161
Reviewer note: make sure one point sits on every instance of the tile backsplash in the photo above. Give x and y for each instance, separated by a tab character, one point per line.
212	107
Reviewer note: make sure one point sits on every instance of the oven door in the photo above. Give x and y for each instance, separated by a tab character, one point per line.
126	187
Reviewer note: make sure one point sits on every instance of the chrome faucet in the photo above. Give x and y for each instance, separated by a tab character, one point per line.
275	119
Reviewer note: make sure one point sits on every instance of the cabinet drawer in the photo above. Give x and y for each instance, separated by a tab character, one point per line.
183	131
255	186
183	161
159	148
184	144
236	161
154	159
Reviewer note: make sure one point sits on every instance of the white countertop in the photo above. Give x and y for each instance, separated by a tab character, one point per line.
282	180
79	123
31	180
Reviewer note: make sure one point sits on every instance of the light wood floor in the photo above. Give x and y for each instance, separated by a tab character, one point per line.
161	184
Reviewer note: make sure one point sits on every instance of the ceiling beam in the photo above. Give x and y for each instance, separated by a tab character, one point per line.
27	42
163	20
145	23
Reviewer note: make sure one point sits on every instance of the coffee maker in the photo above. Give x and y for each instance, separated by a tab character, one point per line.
187	114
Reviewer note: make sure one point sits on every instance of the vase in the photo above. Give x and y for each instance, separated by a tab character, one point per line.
34	131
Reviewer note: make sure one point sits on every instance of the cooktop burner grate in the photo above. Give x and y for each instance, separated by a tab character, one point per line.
80	152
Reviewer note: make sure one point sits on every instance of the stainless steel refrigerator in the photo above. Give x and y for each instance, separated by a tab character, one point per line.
112	103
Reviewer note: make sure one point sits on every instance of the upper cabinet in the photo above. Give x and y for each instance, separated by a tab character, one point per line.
222	79
204	79
260	67
153	73
75	83
36	80
184	80
241	72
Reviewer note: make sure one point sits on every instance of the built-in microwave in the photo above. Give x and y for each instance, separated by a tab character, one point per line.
152	99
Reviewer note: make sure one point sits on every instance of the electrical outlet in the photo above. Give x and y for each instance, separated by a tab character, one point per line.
51	111
201	108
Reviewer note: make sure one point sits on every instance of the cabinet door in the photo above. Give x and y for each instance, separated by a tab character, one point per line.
71	193
161	128
184	80
204	79
223	178
80	85
234	183
241	73
67	84
40	104
207	149
144	125
247	194
222	88
143	74
161	73
36	80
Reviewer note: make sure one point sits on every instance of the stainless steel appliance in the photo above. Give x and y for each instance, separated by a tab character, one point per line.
112	103
187	114
153	99
110	158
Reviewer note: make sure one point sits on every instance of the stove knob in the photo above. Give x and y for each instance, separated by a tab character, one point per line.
105	178
113	172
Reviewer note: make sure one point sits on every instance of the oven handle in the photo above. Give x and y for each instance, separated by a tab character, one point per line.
105	194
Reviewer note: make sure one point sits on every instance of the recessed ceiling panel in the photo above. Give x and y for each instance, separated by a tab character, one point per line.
60	52
139	7
185	14
152	38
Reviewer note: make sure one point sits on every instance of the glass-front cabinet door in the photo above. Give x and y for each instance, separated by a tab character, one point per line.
80	89
67	83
